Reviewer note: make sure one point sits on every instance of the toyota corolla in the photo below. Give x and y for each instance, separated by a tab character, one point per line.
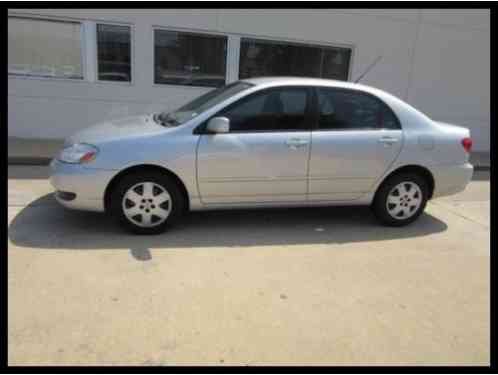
265	142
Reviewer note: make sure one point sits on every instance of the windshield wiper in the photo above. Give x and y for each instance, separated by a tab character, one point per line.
157	119
164	122
167	120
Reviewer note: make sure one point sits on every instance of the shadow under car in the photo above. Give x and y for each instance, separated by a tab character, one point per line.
44	224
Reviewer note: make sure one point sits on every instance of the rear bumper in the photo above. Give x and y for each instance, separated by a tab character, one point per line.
87	184
451	179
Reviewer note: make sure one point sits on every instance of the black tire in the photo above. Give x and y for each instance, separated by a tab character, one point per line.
379	205
128	181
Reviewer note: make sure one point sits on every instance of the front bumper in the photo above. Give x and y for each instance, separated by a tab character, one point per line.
451	179
88	184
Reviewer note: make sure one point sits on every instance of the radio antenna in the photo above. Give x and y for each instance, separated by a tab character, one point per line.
368	69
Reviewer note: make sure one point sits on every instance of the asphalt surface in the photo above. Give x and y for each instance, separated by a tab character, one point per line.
314	286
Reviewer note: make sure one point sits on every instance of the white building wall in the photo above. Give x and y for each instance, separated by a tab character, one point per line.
437	60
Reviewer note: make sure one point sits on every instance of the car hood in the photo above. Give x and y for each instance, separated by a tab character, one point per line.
116	129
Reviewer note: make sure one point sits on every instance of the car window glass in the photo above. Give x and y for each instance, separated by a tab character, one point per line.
248	107
202	103
341	110
390	121
272	110
294	101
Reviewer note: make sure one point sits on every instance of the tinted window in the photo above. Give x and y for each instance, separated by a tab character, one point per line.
271	110
202	103
342	109
189	59
259	58
113	50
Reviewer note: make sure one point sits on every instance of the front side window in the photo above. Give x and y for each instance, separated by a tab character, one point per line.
44	48
283	109
189	59
114	53
259	58
352	110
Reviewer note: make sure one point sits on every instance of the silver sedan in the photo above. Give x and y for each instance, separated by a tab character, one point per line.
265	142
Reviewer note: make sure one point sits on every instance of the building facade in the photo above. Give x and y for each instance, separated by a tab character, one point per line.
69	69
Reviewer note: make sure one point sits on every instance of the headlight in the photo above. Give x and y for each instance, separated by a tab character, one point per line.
78	153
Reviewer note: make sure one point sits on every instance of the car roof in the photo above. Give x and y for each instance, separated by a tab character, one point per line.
282	81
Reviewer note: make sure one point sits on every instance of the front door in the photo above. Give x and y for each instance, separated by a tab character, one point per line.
264	157
356	139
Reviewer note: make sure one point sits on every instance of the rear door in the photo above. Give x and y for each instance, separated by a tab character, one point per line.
356	138
264	157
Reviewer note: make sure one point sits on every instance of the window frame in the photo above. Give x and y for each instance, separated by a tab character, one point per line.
310	109
191	32
83	47
131	82
316	110
297	42
88	45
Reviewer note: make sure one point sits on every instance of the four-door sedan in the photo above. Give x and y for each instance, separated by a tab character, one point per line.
265	142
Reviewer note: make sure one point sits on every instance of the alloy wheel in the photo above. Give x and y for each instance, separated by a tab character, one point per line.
404	200
147	204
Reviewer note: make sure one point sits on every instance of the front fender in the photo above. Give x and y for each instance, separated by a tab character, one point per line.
176	155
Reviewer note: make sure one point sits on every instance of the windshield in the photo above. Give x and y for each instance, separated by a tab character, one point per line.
200	104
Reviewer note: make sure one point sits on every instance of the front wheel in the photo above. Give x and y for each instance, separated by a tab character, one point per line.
145	203
401	199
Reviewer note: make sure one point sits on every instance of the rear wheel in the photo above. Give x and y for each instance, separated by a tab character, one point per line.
146	203
401	199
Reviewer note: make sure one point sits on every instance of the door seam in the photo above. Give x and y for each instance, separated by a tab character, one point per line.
197	169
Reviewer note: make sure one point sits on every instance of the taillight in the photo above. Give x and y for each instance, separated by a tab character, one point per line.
467	144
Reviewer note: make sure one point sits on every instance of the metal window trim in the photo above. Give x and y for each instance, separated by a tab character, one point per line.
88	46
44	17
189	30
89	50
233	58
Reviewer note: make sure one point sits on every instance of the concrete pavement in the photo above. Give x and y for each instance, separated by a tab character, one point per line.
323	286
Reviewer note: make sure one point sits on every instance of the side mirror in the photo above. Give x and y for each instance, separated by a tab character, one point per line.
218	125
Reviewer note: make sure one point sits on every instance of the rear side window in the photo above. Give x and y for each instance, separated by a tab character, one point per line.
282	109
340	109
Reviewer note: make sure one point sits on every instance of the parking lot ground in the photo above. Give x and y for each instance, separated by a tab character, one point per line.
312	286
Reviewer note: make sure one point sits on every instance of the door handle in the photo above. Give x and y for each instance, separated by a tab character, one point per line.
295	143
388	141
